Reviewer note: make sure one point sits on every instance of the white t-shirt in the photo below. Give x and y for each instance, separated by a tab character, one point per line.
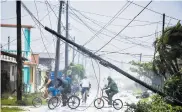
85	83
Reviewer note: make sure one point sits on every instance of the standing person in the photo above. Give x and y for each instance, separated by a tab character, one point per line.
85	85
112	89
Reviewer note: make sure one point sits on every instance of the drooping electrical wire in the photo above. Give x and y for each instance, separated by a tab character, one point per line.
51	26
124	27
155	11
110	21
41	33
130	42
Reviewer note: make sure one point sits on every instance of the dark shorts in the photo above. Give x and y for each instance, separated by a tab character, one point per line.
84	89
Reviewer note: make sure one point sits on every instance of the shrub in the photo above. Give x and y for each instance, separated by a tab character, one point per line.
156	104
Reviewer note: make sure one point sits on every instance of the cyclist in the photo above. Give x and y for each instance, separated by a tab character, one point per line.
112	89
48	83
64	87
46	78
85	85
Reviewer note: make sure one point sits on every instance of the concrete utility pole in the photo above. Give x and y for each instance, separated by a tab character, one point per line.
58	43
73	51
8	42
19	52
140	57
66	45
163	25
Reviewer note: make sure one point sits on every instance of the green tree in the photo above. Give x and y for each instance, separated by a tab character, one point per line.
168	63
77	71
168	51
168	58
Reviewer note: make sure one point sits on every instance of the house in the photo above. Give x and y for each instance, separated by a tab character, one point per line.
47	60
30	71
8	71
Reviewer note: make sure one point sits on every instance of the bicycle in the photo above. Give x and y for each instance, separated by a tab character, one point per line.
73	101
37	101
56	98
100	101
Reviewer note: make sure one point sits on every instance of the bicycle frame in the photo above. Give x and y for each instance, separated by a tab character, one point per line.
104	97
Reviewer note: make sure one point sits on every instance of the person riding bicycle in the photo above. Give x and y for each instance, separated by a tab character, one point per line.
48	83
65	88
112	89
85	85
46	78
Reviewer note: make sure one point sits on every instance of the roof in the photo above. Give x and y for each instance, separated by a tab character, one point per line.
14	26
46	55
42	67
12	55
29	63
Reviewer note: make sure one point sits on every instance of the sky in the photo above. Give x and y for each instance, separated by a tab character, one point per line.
88	12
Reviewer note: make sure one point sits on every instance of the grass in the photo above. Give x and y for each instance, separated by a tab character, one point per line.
11	109
27	100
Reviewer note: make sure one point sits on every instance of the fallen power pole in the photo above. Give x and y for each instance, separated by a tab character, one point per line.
108	64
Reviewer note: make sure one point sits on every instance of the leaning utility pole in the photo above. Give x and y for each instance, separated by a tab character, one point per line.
8	42
19	52
110	65
57	60
66	45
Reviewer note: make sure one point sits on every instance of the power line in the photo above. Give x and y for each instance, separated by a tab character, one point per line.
41	30
111	16
50	24
110	31
155	11
54	13
35	19
124	27
149	23
91	29
122	53
111	36
110	21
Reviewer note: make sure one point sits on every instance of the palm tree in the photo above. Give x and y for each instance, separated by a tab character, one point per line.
169	50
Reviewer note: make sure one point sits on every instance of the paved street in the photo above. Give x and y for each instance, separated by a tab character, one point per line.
82	107
67	109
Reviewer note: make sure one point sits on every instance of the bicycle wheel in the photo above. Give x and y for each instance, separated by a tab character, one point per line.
52	103
99	103
117	104
37	102
73	102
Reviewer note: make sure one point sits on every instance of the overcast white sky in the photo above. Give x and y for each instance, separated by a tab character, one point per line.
83	34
